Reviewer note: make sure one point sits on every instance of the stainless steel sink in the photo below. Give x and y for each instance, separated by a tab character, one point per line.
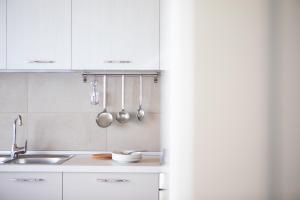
4	158
40	159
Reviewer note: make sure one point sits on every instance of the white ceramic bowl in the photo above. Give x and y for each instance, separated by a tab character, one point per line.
123	157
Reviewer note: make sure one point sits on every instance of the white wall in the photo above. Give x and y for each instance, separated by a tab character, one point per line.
288	92
219	56
177	59
232	104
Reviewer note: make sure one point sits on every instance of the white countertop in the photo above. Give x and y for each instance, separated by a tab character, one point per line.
85	163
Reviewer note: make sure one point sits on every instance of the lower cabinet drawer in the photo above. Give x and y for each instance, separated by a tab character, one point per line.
110	186
30	186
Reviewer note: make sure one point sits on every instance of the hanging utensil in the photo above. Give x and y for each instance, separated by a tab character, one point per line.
140	112
95	93
123	116
104	119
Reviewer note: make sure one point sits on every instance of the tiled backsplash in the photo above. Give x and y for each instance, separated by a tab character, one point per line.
58	115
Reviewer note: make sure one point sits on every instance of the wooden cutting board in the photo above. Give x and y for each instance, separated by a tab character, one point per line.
106	156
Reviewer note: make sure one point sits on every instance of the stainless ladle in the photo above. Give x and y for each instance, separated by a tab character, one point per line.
104	119
123	116
140	112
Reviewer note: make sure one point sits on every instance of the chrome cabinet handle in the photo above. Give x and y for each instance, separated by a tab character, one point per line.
161	189
27	179
42	61
117	61
104	180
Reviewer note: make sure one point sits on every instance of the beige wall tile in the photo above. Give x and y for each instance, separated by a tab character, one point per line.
137	135
65	131
60	116
13	92
59	92
6	130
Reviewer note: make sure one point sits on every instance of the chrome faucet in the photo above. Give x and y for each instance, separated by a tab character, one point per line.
15	150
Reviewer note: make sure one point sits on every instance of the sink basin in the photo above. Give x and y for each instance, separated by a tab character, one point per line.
4	158
40	159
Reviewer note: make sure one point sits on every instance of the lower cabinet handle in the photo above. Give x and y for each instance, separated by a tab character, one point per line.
42	61
104	180
118	61
27	179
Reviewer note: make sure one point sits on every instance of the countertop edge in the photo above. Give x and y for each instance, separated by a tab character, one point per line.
85	163
88	169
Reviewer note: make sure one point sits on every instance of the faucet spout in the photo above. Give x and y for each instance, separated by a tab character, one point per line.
19	120
15	150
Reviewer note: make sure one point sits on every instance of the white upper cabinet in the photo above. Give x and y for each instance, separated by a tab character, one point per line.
39	34
2	34
115	34
106	34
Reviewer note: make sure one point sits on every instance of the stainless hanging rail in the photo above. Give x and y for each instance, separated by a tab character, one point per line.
143	73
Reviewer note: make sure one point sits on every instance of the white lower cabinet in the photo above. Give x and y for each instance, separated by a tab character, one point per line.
110	186
78	186
30	186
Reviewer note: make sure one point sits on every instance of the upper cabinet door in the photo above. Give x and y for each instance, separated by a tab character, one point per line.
115	34
39	34
2	34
